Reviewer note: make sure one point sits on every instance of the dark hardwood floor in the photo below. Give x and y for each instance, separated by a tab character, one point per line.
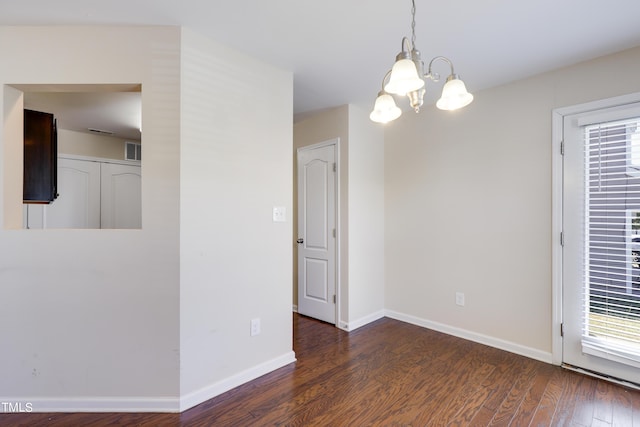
391	373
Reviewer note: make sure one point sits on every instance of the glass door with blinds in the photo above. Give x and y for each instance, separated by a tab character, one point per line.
601	234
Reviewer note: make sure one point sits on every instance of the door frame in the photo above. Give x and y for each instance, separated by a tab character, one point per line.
336	143
557	183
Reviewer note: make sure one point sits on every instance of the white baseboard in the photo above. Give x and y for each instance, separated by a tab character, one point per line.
350	326
202	395
358	323
511	347
160	404
90	404
141	404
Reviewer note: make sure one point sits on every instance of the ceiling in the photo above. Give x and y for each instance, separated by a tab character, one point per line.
339	50
107	110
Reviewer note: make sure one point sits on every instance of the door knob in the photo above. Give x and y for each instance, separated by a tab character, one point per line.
300	240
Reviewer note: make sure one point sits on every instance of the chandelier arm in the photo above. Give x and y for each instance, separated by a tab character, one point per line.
435	76
384	79
408	45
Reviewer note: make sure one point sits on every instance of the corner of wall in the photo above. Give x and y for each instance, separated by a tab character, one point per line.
235	167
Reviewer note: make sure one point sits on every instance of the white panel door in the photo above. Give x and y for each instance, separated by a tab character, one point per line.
121	196
316	233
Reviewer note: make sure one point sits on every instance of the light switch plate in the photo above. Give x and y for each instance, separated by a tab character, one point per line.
460	299
255	327
279	214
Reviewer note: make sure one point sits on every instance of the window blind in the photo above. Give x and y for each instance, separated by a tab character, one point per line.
611	317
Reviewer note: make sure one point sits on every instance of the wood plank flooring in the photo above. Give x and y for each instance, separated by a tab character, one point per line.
391	373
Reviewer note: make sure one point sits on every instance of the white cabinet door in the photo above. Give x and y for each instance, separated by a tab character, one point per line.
78	201
92	194
121	196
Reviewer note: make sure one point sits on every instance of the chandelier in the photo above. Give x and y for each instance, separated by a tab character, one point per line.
407	78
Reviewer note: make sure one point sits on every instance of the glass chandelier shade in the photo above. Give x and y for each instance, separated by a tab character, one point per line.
454	94
404	78
385	109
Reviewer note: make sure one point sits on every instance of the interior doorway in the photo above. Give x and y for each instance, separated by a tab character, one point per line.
317	237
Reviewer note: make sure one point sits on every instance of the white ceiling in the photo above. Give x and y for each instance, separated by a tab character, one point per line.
111	110
339	50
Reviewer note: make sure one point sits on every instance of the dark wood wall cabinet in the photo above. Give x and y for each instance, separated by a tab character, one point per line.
40	157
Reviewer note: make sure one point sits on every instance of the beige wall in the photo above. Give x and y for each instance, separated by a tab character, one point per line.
84	144
468	205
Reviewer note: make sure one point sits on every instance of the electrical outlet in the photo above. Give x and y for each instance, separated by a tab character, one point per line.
255	327
460	299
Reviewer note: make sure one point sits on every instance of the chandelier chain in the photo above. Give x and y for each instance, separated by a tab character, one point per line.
413	24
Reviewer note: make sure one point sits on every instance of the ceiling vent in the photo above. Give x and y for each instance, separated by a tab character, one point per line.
100	132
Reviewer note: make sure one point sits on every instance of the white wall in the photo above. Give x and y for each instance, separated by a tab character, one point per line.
92	316
157	318
468	206
236	165
366	218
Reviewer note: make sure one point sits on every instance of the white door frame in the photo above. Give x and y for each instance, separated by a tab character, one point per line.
336	143
557	172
